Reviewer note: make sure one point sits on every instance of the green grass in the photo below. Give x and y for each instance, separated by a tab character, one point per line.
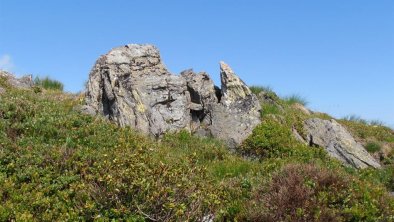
48	83
376	123
267	109
59	165
258	89
292	99
270	101
373	147
362	129
358	119
355	118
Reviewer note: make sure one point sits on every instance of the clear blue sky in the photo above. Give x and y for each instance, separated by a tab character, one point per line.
339	54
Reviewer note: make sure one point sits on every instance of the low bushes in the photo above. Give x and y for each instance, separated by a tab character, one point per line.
270	139
364	130
59	165
306	192
373	147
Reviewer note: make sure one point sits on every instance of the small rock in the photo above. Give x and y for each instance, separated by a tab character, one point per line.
268	98
85	109
302	108
208	218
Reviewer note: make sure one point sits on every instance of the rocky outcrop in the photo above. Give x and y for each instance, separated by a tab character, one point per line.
24	82
238	112
338	142
229	113
131	86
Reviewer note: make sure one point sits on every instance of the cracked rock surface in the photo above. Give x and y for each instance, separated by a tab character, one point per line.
131	86
338	142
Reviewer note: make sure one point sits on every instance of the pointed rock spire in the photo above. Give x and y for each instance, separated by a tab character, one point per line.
233	88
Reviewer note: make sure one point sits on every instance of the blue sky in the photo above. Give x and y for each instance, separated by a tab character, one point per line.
338	54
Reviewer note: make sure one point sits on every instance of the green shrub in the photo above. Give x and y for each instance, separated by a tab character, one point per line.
231	168
383	176
296	99
48	83
373	147
267	109
3	81
269	139
183	144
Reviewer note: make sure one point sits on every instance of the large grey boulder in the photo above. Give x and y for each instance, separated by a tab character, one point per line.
131	86
338	142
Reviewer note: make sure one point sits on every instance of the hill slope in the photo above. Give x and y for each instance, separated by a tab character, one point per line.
59	164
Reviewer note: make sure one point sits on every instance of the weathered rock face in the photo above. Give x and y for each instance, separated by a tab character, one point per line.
203	95
233	88
238	112
24	82
131	86
338	142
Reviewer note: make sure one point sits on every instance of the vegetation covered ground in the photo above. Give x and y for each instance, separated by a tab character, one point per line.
57	164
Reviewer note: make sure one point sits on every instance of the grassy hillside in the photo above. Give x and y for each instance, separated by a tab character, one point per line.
57	164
